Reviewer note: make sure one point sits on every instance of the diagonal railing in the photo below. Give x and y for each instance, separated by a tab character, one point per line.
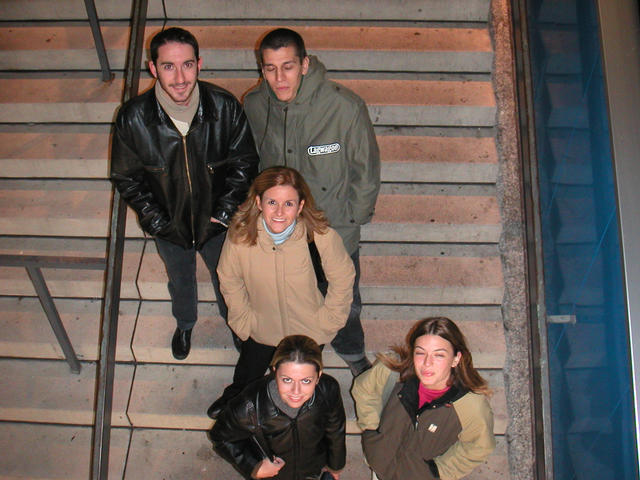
109	331
90	6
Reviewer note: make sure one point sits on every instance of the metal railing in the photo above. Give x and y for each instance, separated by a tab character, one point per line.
33	264
90	6
109	331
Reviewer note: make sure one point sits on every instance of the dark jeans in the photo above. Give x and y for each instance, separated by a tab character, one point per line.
349	341
252	364
181	270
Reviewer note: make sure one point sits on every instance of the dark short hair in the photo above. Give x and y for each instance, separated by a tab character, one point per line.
282	37
173	34
297	349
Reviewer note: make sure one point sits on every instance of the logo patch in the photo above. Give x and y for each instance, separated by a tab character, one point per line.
323	149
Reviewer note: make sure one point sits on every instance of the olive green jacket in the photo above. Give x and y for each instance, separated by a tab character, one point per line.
402	442
325	133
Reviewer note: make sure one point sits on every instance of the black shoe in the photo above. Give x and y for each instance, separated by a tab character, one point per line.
216	407
181	344
359	366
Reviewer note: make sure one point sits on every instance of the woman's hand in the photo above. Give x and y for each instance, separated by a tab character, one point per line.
267	468
334	473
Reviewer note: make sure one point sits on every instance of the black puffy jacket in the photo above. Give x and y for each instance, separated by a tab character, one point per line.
176	184
252	426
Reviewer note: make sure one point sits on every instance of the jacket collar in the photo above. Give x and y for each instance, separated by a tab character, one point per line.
408	396
266	242
155	115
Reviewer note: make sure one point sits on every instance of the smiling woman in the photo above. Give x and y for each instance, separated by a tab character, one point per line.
269	281
261	431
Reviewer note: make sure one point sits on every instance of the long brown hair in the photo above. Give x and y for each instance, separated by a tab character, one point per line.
463	374
244	226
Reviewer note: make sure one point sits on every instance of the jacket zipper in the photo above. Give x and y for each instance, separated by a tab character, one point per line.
186	164
284	145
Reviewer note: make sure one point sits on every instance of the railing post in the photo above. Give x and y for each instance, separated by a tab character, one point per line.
54	318
102	431
90	6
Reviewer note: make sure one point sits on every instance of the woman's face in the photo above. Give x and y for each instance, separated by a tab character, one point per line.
433	359
296	382
280	206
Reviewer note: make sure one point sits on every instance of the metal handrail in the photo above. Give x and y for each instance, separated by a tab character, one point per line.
33	264
106	368
90	6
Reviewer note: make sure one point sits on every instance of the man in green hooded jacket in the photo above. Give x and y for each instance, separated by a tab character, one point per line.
301	119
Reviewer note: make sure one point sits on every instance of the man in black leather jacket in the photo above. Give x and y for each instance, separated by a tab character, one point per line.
183	158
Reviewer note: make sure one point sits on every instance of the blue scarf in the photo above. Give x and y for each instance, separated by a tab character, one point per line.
281	237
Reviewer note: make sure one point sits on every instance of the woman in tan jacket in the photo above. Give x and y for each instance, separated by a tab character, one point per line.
268	279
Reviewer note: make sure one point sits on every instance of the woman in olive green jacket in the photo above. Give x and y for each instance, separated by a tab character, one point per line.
424	407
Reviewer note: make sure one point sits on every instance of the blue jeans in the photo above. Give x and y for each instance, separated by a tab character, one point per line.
181	270
349	341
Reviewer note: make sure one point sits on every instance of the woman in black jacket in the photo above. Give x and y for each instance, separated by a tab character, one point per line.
289	425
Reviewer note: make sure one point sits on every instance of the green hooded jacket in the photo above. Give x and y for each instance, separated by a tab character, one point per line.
326	134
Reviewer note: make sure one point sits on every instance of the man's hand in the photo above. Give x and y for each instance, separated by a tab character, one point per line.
266	468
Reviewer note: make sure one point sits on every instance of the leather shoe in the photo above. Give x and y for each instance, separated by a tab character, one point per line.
181	343
216	407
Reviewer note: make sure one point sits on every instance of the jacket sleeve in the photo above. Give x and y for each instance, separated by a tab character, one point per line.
128	176
241	315
233	439
335	432
475	442
241	165
367	393
364	167
340	272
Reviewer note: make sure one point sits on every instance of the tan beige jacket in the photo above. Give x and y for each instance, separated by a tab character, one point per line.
271	290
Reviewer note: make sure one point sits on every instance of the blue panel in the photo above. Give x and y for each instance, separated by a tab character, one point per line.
589	361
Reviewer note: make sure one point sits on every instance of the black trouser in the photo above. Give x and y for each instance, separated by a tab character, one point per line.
183	286
252	364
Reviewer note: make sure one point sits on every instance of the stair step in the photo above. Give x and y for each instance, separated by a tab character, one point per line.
81	152
390	102
567	104
386	280
231	47
82	208
412	10
52	452
25	332
162	395
45	391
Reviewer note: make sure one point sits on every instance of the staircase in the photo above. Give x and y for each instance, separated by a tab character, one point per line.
425	71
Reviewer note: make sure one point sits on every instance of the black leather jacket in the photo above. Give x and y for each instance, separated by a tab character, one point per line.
251	427
176	184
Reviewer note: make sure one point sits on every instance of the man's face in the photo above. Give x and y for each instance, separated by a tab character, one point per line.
177	70
283	71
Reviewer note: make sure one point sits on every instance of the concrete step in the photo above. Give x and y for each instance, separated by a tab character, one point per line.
567	104
385	279
231	47
63	452
146	335
82	208
390	102
561	49
571	152
174	396
310	10
81	152
51	452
